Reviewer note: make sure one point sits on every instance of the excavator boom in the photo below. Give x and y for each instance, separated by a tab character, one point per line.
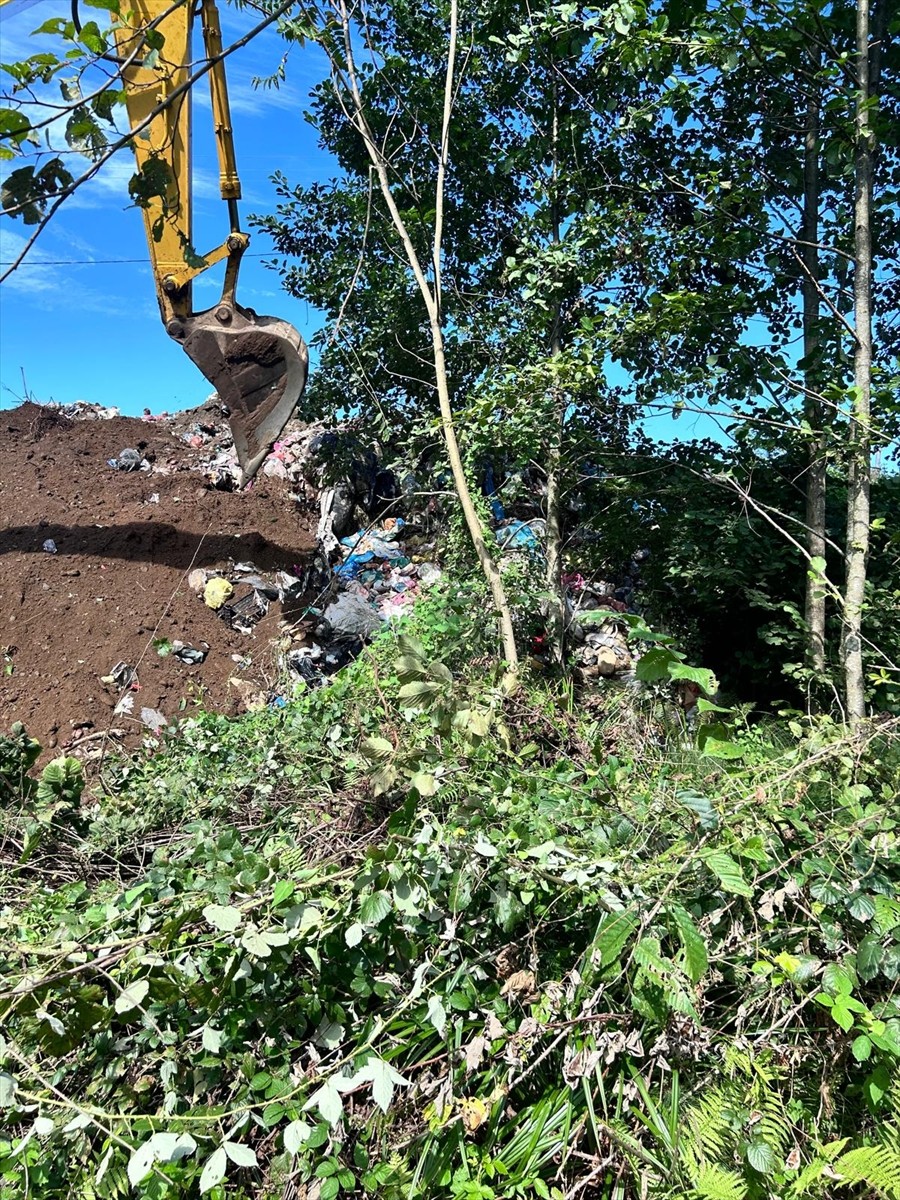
258	365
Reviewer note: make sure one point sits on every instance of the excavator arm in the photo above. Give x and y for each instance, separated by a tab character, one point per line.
258	365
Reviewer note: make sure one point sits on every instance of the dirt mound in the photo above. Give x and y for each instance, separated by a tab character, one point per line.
125	543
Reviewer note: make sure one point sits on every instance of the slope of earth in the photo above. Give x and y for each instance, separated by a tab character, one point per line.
126	542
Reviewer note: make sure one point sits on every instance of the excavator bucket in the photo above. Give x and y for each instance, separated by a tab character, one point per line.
258	366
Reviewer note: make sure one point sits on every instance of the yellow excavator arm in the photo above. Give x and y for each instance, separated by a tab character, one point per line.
258	365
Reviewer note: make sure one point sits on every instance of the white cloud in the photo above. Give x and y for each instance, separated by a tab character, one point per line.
51	281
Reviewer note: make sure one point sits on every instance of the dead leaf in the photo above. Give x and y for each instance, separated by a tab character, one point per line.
474	1113
492	1027
522	985
474	1052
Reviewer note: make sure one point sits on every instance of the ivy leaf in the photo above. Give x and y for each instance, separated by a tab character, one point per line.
213	1171
224	917
328	1101
383	1078
329	1034
240	1155
132	996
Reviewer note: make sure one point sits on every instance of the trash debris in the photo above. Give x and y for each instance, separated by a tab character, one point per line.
122	675
189	654
154	720
522	535
216	592
197	579
246	612
128	460
50	546
350	616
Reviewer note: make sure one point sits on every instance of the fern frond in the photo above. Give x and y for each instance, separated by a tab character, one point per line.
715	1183
877	1167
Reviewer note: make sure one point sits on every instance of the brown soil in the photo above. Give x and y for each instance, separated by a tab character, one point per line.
119	579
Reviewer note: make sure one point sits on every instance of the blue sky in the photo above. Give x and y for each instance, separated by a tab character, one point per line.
82	327
79	318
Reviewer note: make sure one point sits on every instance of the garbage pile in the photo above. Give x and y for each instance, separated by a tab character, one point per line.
596	639
377	578
329	612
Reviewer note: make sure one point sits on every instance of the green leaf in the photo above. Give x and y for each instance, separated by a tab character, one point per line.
761	1156
869	955
140	1164
353	935
240	1155
296	1135
437	1014
376	749
655	664
861	1048
212	1039
132	996
877	1085
255	943
283	890
728	872
425	784
329	1189
7	1090
837	980
213	1171
614	931
224	917
375	908
419	691
841	1014
696	959
700	675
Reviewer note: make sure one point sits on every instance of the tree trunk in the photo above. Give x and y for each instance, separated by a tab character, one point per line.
556	597
859	472
815	414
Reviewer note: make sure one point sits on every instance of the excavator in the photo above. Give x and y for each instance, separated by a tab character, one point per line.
258	365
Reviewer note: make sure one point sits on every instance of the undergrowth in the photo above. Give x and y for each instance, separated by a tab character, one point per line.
408	939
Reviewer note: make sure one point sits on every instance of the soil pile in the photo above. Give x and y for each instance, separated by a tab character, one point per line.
111	586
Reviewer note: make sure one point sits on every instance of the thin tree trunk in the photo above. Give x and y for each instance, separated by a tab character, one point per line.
859	473
556	600
815	415
431	297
